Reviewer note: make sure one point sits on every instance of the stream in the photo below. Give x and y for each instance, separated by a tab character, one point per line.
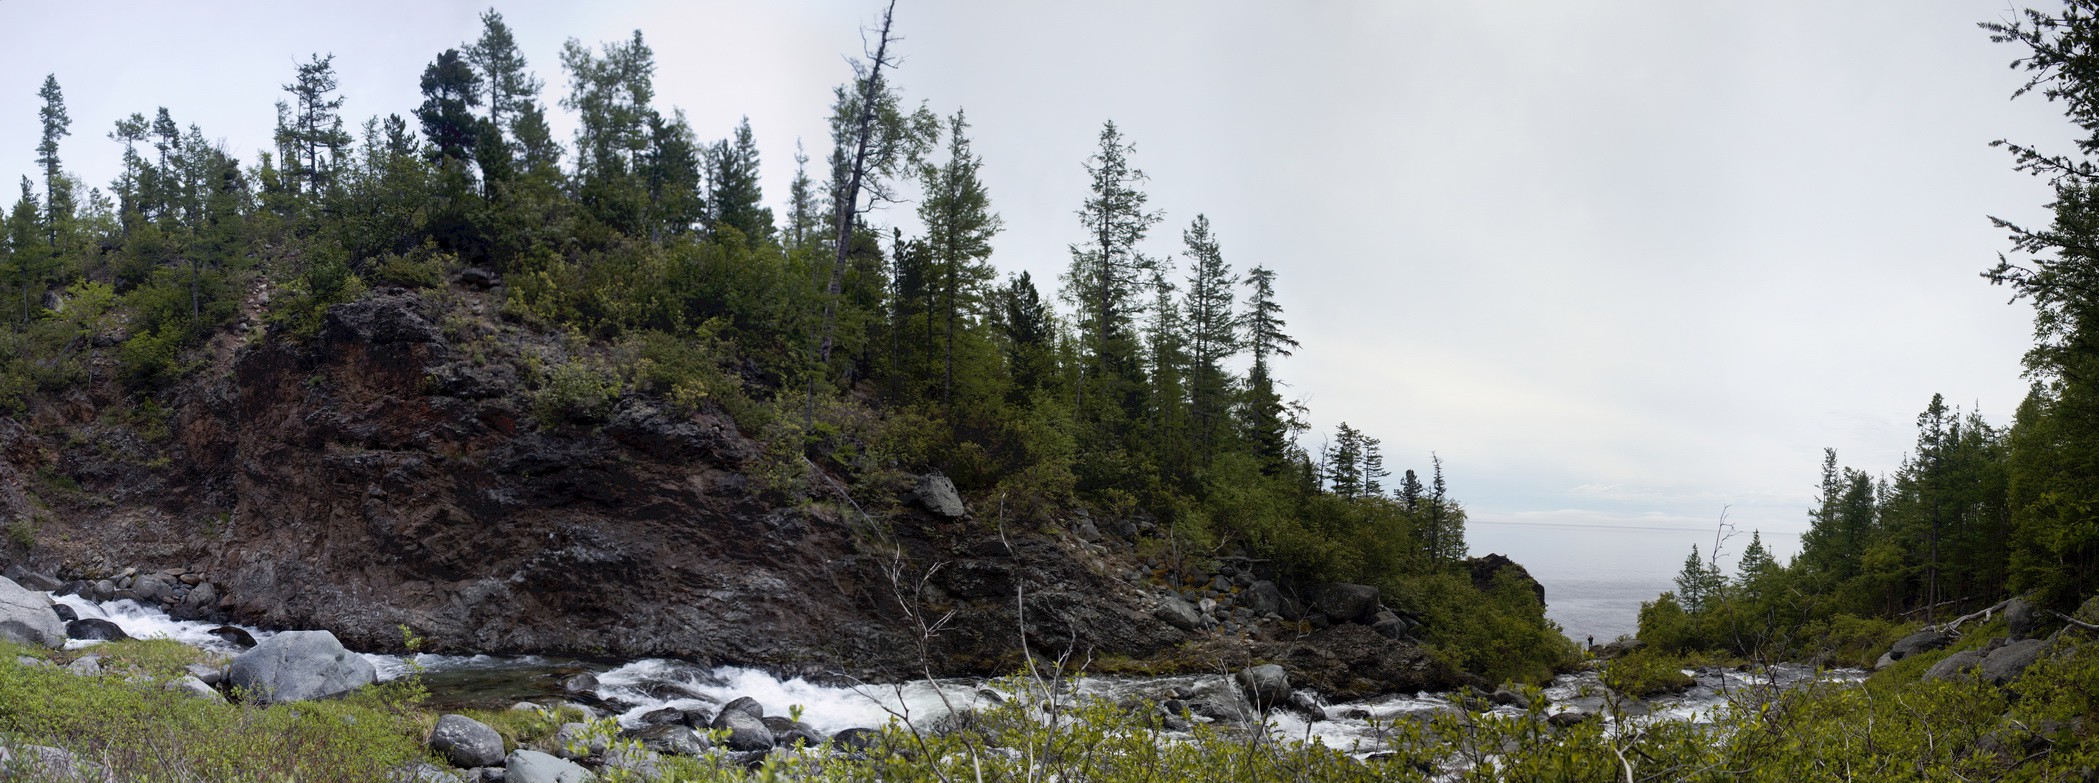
628	690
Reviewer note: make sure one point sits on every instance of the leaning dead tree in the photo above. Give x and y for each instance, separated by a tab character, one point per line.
845	198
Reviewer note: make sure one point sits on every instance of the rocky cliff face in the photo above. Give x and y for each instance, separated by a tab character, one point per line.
382	477
389	474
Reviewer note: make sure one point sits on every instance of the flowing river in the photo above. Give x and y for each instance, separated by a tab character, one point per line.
631	689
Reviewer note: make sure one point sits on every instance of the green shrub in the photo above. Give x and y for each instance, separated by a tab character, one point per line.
1646	672
575	391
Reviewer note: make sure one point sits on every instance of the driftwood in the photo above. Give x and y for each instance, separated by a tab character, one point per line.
1951	625
2076	622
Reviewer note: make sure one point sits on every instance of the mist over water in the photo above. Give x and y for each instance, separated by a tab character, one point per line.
1595	576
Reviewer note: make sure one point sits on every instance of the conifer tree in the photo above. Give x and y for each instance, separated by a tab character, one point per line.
804	213
670	171
310	135
130	132
610	92
512	90
734	198
1373	470
1108	271
30	255
58	191
1410	492
1029	329
959	223
1263	415
450	93
1344	462
1213	334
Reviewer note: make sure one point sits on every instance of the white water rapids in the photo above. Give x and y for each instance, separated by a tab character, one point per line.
635	688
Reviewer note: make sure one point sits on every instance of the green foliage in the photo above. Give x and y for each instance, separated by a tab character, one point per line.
21	532
575	391
1646	672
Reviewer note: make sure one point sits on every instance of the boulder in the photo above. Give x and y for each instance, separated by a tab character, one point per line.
1350	662
1920	641
65	613
86	666
1569	718
297	666
1267	686
745	705
787	732
201	601
378	320
576	741
627	762
584	682
661	716
1262	597
747	732
1510	698
209	675
466	742
1953	666
937	493
104	590
673	739
39	762
40	582
858	739
2004	664
2021	617
153	589
1389	625
1179	614
26	617
421	772
189	684
96	629
1345	603
235	636
531	766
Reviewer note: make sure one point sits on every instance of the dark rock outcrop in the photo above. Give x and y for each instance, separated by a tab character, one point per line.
2006	663
1489	567
1921	641
1347	662
95	628
1954	666
1346	603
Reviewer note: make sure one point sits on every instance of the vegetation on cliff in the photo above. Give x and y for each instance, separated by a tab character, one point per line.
655	266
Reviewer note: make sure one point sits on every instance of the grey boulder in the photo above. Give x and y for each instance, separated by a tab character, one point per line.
297	666
421	772
1346	603
531	766
747	732
1267	686
937	493
1179	614
1262	598
95	628
2004	664
466	742
1953	666
2020	616
1921	641
26	617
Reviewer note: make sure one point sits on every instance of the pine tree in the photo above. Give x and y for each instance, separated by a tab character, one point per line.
670	172
450	92
1699	585
1410	491
1213	334
129	132
1107	271
734	198
1444	519
30	255
1373	470
1166	357
1756	564
58	191
959	223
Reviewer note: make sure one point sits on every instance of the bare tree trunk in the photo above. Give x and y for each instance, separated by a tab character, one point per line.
845	207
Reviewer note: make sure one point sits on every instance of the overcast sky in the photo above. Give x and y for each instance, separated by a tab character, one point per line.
1617	262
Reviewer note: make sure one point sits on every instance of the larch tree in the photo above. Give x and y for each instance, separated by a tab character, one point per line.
959	224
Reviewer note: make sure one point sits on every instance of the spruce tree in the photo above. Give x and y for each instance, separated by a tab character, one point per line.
734	197
1263	416
512	90
1213	334
58	191
1107	271
450	93
956	211
804	212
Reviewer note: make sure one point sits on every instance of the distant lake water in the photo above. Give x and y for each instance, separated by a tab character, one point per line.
1595	576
